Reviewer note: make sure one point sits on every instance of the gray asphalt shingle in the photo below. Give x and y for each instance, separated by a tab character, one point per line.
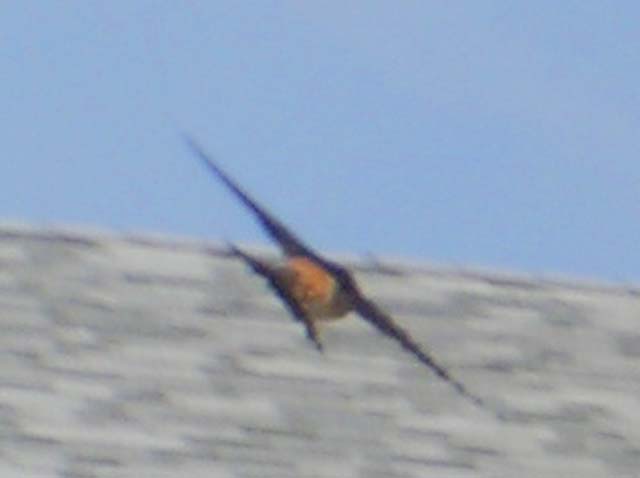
149	357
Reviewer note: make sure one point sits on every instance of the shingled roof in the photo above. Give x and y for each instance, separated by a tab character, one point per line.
138	356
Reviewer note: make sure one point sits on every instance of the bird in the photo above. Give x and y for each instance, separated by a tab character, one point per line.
315	289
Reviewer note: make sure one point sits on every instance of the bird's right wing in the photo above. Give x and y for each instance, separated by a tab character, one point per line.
275	281
290	244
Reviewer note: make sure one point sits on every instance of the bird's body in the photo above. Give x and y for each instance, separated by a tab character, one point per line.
315	289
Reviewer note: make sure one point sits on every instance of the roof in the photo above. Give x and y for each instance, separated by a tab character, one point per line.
140	356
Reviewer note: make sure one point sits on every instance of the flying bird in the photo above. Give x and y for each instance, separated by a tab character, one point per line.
315	289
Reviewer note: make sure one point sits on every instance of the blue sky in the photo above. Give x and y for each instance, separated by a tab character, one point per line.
497	134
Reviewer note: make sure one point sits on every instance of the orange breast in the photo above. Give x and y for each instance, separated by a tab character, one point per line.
313	288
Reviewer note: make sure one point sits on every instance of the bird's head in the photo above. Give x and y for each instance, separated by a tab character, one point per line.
344	279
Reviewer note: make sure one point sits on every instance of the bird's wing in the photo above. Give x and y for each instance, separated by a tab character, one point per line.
290	244
369	311
275	281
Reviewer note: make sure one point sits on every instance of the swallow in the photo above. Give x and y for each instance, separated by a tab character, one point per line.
315	289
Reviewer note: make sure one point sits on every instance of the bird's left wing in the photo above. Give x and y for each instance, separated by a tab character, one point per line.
370	312
275	281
